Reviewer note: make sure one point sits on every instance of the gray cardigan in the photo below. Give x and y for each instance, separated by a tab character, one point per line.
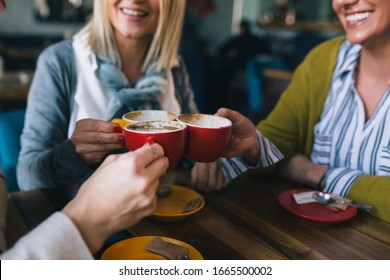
48	158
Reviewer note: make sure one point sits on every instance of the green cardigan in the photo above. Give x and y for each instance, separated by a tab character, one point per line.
290	126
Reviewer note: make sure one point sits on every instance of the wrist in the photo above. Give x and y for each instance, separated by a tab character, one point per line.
93	234
316	176
321	182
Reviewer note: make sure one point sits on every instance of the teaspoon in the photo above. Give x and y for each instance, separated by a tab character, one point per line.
326	199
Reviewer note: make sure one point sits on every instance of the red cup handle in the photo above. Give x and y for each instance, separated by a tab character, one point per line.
149	141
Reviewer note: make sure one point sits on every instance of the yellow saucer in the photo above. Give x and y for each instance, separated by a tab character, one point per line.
134	249
170	208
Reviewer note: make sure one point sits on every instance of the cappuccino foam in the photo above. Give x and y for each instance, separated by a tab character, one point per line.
204	120
155	126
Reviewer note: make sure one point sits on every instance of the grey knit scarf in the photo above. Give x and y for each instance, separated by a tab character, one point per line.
144	94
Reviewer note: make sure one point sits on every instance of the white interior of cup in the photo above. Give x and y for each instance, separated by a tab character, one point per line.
149	115
155	126
205	120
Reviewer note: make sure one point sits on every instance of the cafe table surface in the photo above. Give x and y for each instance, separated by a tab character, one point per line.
244	221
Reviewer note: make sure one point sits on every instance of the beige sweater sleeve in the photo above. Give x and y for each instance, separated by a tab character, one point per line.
56	238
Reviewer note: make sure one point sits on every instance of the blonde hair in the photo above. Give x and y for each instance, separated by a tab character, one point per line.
98	34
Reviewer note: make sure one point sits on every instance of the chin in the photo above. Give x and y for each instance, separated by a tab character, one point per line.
357	38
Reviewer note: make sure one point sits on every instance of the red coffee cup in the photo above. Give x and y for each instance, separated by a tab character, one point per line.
207	136
171	135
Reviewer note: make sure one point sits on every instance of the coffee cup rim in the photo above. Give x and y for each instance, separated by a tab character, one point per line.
126	127
206	127
174	116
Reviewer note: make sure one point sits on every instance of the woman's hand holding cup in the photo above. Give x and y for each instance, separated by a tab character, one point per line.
94	139
244	142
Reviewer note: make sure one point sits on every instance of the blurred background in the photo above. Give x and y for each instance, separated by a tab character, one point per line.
234	49
240	54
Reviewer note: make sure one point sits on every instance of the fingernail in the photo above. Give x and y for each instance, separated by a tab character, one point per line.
118	129
122	138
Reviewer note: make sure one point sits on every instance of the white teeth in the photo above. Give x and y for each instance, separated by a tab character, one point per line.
133	13
358	16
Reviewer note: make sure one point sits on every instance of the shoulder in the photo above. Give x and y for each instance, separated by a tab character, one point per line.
58	52
327	48
58	59
62	48
323	57
56	66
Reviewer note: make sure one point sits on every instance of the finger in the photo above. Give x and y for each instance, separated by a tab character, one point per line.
84	149
93	157
97	137
149	153
216	178
157	167
211	170
202	176
194	175
232	115
233	148
221	182
96	126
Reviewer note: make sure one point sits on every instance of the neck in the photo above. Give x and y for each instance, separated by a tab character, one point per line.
376	62
132	53
372	77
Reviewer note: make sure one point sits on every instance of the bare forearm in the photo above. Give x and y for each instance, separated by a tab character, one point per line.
300	169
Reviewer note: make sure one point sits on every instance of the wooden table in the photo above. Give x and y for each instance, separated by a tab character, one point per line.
244	221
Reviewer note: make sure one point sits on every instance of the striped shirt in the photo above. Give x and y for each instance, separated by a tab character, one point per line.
269	154
343	140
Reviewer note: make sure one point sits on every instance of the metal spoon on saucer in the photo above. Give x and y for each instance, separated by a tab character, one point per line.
326	199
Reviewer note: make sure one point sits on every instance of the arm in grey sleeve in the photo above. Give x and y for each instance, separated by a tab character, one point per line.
269	154
57	238
48	158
